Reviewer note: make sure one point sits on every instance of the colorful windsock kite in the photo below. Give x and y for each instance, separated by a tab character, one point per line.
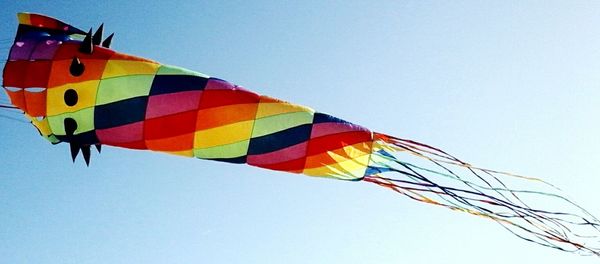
75	89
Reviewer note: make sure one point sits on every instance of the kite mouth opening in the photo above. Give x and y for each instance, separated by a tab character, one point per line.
29	100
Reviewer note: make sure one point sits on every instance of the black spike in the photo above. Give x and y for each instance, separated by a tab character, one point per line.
97	38
74	150
87	46
76	68
85	150
98	148
106	42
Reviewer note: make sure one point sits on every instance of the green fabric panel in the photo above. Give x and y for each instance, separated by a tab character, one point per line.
53	139
123	87
174	70
83	117
232	150
271	124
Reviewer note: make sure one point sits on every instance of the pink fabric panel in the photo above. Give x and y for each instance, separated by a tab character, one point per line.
323	129
218	84
172	103
282	155
122	134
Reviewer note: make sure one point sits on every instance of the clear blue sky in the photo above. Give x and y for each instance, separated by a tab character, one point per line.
507	85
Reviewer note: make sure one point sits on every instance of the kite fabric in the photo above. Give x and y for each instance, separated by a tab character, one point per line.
75	89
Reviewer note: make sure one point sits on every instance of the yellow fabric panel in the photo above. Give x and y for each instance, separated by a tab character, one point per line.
355	150
185	153
115	68
43	125
86	97
269	109
338	155
24	18
347	169
223	135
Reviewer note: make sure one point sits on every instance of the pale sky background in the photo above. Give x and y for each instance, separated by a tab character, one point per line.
510	85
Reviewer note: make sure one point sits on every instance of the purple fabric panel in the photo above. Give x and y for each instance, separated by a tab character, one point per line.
22	49
290	153
323	129
172	103
122	134
45	50
218	84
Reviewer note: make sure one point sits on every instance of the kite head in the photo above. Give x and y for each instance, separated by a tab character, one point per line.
54	73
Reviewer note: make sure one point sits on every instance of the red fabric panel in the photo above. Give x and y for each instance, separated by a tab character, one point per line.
294	166
43	22
14	73
121	56
131	145
336	141
68	50
37	74
214	98
170	126
27	74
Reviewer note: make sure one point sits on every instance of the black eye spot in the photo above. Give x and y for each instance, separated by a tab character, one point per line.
70	126
77	67
71	97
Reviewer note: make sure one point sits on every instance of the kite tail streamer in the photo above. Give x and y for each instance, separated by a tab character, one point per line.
430	175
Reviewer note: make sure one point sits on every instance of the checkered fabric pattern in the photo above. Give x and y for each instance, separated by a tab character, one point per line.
136	103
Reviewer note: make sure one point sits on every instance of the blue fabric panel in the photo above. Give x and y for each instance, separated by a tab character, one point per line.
120	113
325	118
238	160
164	84
279	140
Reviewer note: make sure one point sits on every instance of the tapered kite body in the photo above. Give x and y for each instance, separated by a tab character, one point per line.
75	89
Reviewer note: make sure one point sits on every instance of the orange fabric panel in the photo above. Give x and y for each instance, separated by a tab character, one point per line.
61	75
17	98
229	114
177	143
267	99
36	103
